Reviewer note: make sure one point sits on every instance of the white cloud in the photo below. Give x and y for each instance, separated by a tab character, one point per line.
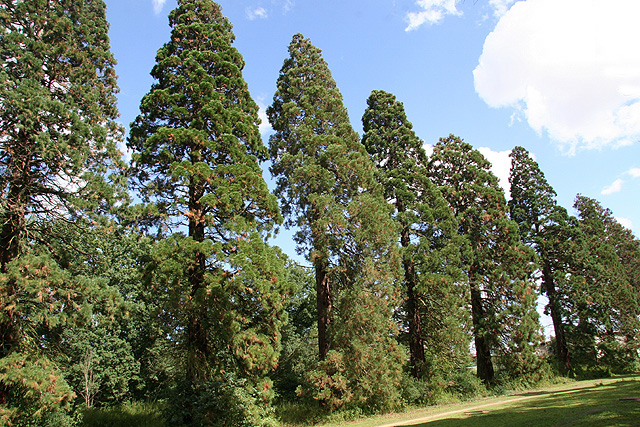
571	67
265	127
258	12
433	11
627	223
500	7
634	172
500	166
613	188
158	5
288	5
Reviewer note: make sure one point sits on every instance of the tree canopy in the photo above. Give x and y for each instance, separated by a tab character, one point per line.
148	291
326	182
427	231
498	266
59	162
197	148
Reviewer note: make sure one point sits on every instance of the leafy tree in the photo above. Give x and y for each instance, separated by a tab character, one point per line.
543	226
58	160
498	267
103	353
427	232
300	334
197	148
326	183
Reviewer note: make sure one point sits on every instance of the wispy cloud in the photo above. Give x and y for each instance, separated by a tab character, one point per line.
288	5
257	12
571	68
634	172
613	188
158	5
433	12
616	186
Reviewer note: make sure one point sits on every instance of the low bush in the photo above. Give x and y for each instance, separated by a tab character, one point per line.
139	414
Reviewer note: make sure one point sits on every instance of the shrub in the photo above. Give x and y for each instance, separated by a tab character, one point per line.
139	414
225	401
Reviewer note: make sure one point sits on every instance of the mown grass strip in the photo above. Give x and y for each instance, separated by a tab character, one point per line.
608	403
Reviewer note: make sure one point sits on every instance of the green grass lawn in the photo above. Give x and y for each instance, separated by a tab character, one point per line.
598	404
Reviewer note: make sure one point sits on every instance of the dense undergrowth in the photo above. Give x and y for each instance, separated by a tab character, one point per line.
300	412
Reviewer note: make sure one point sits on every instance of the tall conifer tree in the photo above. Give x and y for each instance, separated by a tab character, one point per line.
58	162
604	307
427	232
325	180
499	268
197	147
544	226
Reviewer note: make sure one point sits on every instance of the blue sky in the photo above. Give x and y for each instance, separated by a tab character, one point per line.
558	77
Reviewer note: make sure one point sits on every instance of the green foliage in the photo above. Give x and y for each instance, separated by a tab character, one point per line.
603	304
227	401
38	394
326	183
95	349
498	267
58	162
433	300
39	298
58	154
142	414
458	385
543	226
299	334
197	146
100	364
372	358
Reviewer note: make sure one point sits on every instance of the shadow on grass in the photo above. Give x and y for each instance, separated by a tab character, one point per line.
599	405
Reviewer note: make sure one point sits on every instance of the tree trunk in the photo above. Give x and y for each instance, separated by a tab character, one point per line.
483	350
324	291
14	218
416	343
561	342
12	234
197	340
324	305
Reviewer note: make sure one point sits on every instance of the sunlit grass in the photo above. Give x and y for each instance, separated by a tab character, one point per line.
598	404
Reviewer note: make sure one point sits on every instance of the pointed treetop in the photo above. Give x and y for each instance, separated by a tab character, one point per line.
465	175
388	134
532	201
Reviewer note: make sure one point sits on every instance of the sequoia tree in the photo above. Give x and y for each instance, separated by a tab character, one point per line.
197	147
58	162
326	184
427	230
543	226
603	318
498	267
